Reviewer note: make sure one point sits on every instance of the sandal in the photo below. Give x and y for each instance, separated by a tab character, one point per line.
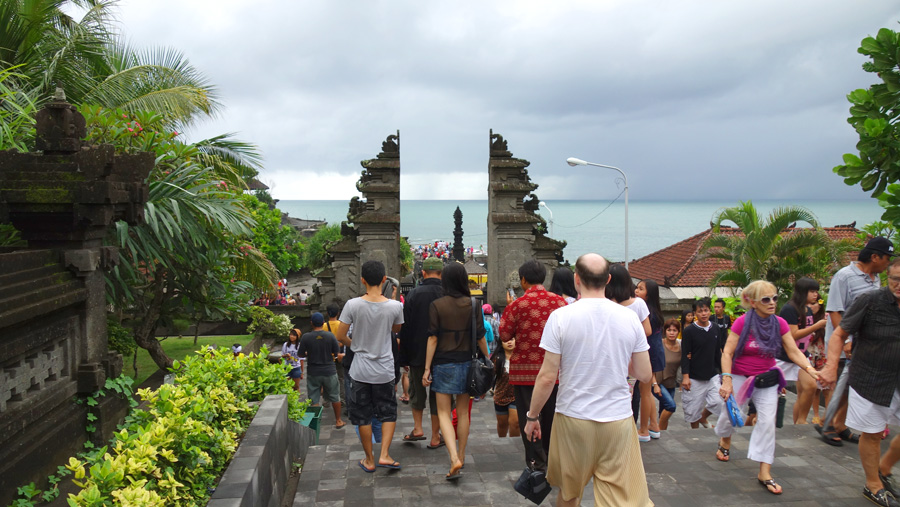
831	437
770	483
849	436
413	438
725	454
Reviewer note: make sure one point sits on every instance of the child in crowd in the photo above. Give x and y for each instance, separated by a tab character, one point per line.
504	395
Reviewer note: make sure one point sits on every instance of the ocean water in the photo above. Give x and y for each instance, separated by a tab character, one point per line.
587	226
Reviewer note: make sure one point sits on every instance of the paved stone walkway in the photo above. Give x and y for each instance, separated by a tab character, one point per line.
681	469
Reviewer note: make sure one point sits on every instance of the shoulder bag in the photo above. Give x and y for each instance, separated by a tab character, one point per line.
480	376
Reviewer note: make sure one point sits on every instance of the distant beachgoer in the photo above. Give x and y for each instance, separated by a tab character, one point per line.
563	284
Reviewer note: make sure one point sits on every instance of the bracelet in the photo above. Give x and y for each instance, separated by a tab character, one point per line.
532	419
726	374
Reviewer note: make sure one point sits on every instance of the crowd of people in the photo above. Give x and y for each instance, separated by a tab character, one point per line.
281	296
563	358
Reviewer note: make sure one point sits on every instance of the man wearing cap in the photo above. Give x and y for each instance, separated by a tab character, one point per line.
847	284
874	321
413	345
320	347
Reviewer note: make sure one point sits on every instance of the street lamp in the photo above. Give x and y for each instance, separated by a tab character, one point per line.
572	161
542	203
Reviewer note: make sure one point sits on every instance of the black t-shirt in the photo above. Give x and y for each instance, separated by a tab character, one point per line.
319	347
701	357
792	317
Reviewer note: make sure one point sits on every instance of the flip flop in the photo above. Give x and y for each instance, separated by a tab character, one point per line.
441	444
413	438
393	466
366	470
831	437
725	454
770	483
339	427
849	436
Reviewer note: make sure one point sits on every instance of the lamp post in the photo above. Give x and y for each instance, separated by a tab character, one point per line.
572	161
542	203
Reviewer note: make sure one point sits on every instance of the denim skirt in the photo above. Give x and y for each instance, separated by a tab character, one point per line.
450	378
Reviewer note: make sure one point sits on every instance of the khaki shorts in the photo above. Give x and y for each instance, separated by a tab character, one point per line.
608	452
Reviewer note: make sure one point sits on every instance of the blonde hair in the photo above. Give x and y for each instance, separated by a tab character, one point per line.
752	291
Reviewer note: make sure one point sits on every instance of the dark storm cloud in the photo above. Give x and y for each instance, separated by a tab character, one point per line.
741	99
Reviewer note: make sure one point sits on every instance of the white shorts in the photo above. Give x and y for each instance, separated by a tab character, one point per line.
867	417
703	394
791	371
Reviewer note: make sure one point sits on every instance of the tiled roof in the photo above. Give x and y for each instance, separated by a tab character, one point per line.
682	265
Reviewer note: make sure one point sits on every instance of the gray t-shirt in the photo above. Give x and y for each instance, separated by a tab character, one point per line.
846	285
373	361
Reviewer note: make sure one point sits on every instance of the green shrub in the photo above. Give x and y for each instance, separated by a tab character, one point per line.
120	338
176	448
264	322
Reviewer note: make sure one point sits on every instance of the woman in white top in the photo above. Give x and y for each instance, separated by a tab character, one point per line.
621	290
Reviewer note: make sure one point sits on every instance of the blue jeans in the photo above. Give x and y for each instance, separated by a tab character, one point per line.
666	399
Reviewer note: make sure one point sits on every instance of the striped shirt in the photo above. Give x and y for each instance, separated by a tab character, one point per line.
874	319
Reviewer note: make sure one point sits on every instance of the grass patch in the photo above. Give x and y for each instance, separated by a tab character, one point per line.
178	349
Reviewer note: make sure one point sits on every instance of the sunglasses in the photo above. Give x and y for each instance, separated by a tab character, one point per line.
766	300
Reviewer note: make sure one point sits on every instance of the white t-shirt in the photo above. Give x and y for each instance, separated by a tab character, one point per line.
373	362
639	306
595	339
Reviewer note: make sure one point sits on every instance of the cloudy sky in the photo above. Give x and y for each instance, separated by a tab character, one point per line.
693	99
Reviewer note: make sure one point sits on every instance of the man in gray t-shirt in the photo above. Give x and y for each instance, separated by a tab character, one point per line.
374	317
846	285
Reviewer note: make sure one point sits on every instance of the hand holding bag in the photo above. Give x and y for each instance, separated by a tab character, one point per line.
480	376
532	484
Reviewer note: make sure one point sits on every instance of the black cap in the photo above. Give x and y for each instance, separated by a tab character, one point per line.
881	245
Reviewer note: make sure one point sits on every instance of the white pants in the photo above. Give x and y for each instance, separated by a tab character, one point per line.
791	371
703	394
762	438
867	417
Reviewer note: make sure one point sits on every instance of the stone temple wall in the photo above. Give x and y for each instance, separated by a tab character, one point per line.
513	226
53	346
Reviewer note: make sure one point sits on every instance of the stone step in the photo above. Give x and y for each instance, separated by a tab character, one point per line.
26	259
27	282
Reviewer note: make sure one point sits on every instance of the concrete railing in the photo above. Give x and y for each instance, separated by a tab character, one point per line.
259	471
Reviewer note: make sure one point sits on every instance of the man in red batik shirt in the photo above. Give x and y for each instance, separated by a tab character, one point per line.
523	320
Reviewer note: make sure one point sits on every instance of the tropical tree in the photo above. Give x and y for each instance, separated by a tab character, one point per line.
764	249
280	243
874	114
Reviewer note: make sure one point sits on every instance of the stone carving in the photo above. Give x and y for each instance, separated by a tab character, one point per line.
390	148
59	126
32	373
499	146
459	251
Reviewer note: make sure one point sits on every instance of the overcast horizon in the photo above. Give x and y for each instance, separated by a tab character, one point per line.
693	100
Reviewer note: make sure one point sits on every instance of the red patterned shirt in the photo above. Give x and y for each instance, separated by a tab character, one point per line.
524	320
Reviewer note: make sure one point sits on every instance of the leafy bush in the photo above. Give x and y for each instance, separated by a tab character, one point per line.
120	338
175	449
264	322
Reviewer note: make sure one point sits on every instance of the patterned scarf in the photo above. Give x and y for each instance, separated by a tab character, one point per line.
765	330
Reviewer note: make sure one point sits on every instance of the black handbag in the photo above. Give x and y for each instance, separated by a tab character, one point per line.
532	484
767	379
480	376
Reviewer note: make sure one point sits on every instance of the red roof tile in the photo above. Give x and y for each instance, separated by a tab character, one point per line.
682	265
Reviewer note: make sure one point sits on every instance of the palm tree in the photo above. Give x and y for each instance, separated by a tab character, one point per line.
765	249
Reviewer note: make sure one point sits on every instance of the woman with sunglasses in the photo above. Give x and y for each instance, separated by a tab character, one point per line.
749	372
